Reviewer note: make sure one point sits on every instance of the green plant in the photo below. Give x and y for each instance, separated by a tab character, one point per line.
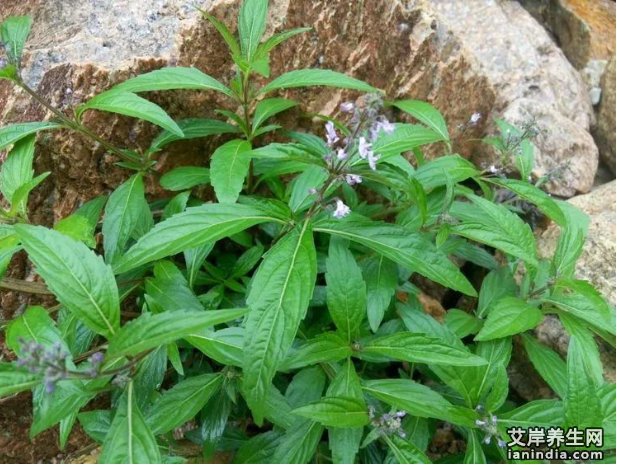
258	353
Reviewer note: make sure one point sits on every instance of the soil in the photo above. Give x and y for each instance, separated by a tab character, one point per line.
17	447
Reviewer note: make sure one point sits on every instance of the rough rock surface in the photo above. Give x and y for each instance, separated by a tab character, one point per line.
604	130
431	52
585	30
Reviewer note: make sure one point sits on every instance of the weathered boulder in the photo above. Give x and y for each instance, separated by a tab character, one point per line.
463	56
604	130
584	30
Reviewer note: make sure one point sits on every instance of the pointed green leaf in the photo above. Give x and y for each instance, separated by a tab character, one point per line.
182	402
342	412
192	128
406	248
492	224
129	104
269	107
426	113
14	31
149	331
81	281
16	170
172	78
192	228
14	132
228	168
185	177
412	347
252	25
404	451
278	298
129	440
14	380
509	316
317	77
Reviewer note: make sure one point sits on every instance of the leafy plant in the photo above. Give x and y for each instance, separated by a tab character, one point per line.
279	322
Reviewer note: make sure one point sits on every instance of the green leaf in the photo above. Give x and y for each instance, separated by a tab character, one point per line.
544	412
149	331
496	284
185	177
17	167
269	107
252	25
547	363
381	277
313	177
437	172
299	443
95	423
129	440
492	224
326	347
129	104
276	39
223	30
341	412
427	114
534	195
224	346
81	281
473	450
462	323
14	31
34	325
169	290
229	166
9	72
316	77
122	215
581	401
582	300
405	137
406	248
172	78
524	159
20	196
509	316
412	347
15	132
404	451
418	400
182	402
571	240
278	298
14	379
346	290
192	128
192	228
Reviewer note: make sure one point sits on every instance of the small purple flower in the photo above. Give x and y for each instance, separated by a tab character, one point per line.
347	107
353	179
475	118
364	147
341	154
341	210
331	135
50	362
372	160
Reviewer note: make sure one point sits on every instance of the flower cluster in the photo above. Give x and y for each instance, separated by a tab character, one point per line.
47	361
96	361
488	425
388	423
367	124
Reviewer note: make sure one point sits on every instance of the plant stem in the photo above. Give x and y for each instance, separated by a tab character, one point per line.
72	124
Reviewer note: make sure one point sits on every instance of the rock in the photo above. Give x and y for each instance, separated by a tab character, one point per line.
533	81
464	56
604	130
585	30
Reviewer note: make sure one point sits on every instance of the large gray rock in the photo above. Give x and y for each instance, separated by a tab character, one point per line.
464	56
